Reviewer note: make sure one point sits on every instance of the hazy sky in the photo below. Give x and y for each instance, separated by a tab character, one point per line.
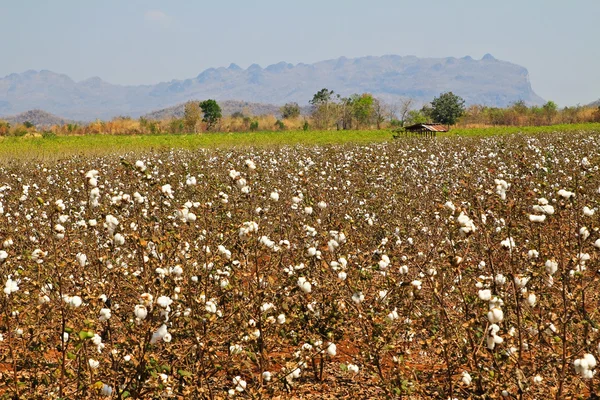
148	41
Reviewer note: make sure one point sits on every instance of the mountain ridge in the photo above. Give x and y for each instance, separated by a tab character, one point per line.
390	77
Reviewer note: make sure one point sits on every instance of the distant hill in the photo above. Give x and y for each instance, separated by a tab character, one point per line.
228	107
39	118
595	103
487	81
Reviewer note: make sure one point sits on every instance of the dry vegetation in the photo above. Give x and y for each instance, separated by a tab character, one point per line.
454	268
330	116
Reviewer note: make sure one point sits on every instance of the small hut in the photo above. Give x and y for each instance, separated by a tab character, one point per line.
427	129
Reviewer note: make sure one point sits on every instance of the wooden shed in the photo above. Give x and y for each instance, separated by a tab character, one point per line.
427	129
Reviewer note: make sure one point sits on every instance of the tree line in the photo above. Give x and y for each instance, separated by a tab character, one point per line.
328	110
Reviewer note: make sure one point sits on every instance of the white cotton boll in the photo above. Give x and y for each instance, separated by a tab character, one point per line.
308	210
485	294
74	301
342	276
404	269
551	267
384	262
119	240
235	349
393	315
160	334
267	307
533	254
266	376
521	281
191	181
239	383
250	164
588	212
565	194
332	349
106	390
583	257
322	205
467	225
140	312
495	315
544	209
304	285
274	196
358	297
7	243
241	182
94	364
584	233
353	368
591	361
139	164
167	190
508	243
501	188
492	337
466	378
585	163
223	251
500	279
416	284
597	244
11	286
450	206
210	307
531	299
537	218
164	301
585	366
105	314
81	259
281	319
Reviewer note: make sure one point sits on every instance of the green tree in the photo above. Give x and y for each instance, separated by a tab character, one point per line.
280	125
414	117
290	110
212	113
177	126
447	108
27	124
550	109
362	108
520	107
191	116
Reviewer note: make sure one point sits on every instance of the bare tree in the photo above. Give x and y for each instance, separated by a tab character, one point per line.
379	112
405	106
191	116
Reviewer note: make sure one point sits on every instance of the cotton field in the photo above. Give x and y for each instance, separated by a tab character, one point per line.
449	268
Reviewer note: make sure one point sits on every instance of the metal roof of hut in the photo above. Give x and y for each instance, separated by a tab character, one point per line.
427	127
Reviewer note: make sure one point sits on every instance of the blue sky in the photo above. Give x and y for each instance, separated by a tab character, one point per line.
148	41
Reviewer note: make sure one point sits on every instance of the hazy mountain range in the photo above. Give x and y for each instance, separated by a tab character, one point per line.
487	81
